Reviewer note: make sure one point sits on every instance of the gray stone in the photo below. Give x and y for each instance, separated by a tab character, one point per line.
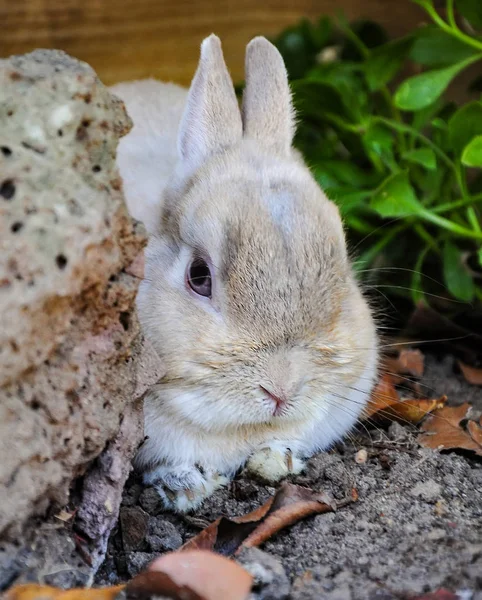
134	525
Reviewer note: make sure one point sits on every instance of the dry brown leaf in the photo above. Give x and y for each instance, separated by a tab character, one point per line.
409	362
471	374
413	410
297	504
33	591
475	430
290	504
383	395
386	403
444	430
193	575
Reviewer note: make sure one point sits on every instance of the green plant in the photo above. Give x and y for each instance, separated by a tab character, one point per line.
400	159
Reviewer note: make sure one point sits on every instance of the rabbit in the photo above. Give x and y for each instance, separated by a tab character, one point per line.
269	346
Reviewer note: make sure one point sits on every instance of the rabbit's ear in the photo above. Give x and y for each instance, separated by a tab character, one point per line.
268	114
211	120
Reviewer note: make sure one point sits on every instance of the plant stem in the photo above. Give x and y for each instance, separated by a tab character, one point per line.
473	220
457	204
348	31
448	225
450	14
453	31
386	95
426	237
336	120
408	129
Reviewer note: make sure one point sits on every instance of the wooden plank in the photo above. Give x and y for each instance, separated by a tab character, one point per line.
131	39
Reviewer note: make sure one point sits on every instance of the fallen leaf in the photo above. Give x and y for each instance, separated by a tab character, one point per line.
224	535
444	430
413	410
385	402
33	591
294	504
475	431
472	374
193	575
383	396
291	503
408	362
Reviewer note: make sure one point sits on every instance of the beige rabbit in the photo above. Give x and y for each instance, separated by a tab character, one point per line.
269	346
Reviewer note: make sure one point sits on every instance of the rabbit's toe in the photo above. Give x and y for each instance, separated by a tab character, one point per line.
183	490
274	462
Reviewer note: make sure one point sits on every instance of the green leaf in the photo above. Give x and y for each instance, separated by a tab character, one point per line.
423	116
378	142
472	154
357	224
464	124
385	61
422	156
345	77
396	197
347	173
457	279
434	47
351	202
420	91
439	123
312	99
472	11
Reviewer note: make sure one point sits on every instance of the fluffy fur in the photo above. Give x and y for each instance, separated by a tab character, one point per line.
285	315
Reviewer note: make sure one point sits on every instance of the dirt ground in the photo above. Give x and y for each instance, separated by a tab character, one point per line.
416	528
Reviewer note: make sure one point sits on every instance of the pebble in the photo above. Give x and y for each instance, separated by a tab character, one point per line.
361	456
134	526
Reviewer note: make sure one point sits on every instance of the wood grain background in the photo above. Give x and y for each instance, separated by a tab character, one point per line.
131	39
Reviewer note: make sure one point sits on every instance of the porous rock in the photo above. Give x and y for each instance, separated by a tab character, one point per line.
72	358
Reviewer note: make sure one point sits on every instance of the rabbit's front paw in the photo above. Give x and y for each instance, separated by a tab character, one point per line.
273	462
183	490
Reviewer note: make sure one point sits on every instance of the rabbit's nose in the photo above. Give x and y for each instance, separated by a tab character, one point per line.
279	399
280	395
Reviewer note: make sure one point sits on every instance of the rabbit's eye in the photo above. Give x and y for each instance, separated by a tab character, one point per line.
199	277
